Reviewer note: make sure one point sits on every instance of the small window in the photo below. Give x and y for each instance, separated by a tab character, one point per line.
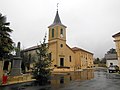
52	32
70	58
61	45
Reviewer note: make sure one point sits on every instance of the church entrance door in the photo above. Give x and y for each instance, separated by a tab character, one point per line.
61	62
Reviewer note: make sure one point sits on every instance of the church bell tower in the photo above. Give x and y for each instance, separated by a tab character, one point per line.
57	30
57	42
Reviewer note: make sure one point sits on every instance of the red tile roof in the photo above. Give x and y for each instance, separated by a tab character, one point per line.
77	49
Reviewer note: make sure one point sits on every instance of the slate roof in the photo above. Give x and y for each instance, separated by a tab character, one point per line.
30	49
111	56
57	21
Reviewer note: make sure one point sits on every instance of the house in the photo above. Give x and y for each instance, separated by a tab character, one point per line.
111	57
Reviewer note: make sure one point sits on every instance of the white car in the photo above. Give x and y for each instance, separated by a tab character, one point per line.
113	68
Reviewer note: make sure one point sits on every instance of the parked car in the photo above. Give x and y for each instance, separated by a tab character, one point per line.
113	68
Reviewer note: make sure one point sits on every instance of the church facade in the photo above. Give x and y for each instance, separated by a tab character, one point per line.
64	57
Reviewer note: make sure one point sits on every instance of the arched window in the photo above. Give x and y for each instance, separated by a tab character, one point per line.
61	45
61	31
52	32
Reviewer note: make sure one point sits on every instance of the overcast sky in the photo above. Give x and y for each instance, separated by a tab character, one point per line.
90	23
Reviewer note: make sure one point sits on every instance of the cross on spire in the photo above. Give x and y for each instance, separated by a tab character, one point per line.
57	6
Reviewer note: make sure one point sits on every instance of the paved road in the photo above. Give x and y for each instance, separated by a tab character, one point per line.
102	81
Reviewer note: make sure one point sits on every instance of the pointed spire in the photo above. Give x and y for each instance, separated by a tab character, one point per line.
57	20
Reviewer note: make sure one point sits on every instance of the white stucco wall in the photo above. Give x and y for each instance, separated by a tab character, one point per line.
115	62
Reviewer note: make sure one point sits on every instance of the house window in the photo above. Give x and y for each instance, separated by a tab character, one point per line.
70	58
52	32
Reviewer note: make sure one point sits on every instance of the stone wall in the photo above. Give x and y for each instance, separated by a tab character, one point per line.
19	79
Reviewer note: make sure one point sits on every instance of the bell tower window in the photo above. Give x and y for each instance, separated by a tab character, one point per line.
61	45
52	32
61	31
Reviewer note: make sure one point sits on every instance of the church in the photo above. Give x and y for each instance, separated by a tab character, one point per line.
64	57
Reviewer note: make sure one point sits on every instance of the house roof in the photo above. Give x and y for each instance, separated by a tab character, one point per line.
31	48
77	49
116	35
111	56
57	21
